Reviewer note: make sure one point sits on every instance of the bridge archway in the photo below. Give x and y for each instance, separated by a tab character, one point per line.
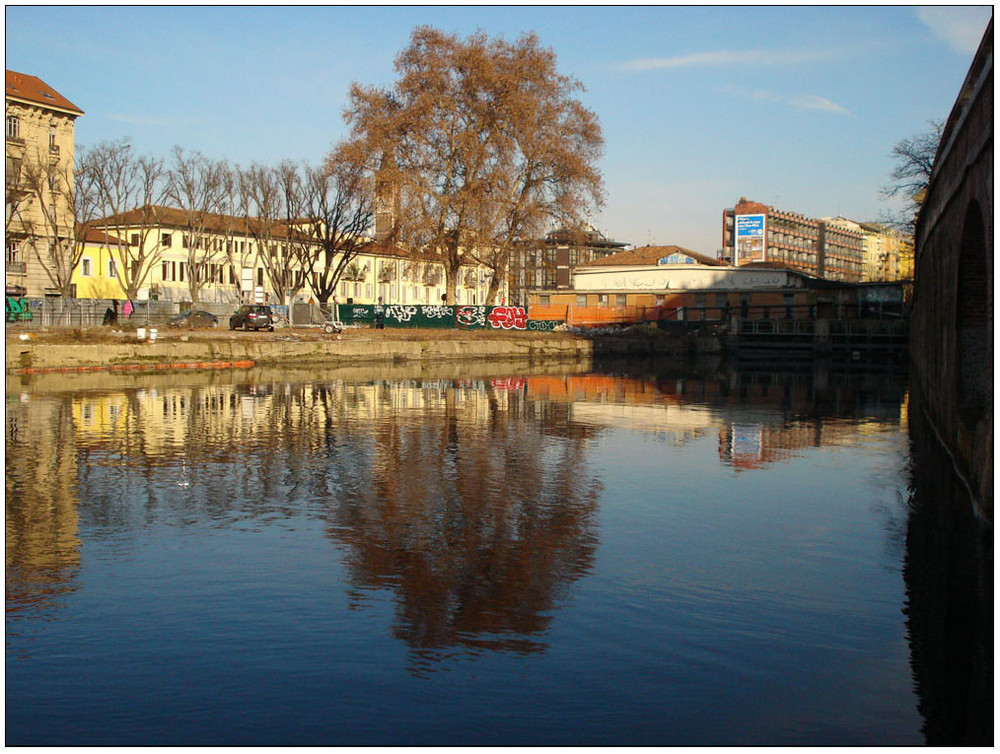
972	317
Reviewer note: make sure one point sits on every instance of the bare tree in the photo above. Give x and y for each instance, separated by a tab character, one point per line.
339	210
272	196
482	142
128	191
196	185
914	161
233	224
48	215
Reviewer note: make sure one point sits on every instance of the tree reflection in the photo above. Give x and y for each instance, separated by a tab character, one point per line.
476	517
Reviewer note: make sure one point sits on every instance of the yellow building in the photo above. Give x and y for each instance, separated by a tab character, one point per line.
98	273
39	156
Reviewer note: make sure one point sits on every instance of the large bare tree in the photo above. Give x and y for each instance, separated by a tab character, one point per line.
482	142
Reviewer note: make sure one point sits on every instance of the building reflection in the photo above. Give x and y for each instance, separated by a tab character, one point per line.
42	554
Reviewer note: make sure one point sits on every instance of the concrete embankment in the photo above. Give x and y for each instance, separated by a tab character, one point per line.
40	354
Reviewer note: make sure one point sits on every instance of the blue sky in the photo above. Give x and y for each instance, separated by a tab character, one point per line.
794	106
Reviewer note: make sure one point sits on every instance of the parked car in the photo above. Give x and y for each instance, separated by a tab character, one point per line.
193	319
252	318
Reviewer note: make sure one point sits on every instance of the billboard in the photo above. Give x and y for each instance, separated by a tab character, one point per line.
751	245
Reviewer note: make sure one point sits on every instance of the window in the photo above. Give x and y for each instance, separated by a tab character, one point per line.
86	267
166	268
13	127
13	177
544	300
13	252
112	269
581	299
165	239
619	299
53	147
135	239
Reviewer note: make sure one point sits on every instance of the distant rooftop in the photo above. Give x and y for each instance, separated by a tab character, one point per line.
652	255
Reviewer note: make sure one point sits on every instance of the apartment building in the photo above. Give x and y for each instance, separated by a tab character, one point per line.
755	232
38	180
888	254
213	258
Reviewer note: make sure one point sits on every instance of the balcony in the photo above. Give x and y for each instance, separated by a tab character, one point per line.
16	268
54	149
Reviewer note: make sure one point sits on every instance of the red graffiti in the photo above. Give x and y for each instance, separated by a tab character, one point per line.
508	383
508	318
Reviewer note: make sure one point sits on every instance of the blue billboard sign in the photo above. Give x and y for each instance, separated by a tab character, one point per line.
750	242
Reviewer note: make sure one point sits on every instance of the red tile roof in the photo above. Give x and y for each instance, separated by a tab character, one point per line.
32	89
650	255
93	235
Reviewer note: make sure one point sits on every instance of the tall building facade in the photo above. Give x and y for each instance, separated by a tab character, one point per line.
754	232
39	151
888	254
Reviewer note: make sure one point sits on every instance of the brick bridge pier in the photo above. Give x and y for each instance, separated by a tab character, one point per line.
951	333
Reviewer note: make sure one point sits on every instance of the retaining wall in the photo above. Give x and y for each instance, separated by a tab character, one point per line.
155	354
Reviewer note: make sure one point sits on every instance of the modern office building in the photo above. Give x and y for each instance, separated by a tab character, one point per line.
754	232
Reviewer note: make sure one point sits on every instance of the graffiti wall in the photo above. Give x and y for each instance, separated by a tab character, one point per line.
18	309
462	317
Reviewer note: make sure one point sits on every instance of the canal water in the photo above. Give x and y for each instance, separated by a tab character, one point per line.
634	554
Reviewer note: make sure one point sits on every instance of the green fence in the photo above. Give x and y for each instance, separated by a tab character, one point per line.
460	317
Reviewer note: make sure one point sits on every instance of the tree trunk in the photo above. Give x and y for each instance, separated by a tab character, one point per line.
492	291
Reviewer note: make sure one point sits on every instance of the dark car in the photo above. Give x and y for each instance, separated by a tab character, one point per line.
252	318
193	319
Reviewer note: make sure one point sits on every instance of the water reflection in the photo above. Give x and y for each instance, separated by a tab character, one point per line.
41	514
472	501
949	582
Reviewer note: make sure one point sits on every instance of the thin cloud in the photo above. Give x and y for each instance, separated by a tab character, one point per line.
815	102
801	102
960	27
726	57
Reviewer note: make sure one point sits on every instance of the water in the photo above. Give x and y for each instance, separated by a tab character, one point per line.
650	556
